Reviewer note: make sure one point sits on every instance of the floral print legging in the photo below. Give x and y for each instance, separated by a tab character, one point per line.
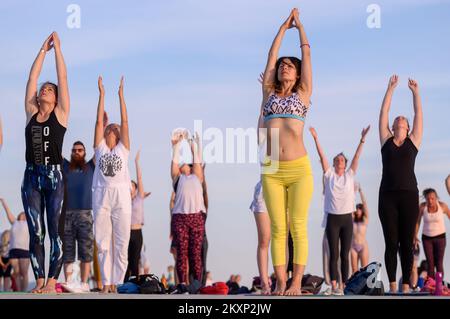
188	231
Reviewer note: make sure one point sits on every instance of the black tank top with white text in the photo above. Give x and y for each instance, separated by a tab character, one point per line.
398	166
44	141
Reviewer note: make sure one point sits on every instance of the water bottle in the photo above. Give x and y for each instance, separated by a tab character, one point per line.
438	290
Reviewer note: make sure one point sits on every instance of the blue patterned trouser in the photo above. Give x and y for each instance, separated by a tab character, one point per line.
43	189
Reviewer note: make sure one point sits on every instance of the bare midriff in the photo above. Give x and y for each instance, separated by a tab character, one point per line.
359	233
290	133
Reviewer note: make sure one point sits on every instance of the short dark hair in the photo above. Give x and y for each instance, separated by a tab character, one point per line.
341	154
428	191
80	143
363	215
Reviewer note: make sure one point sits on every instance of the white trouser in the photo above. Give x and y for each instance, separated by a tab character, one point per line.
112	224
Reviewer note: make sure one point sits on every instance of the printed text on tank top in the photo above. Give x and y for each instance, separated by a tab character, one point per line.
44	140
284	107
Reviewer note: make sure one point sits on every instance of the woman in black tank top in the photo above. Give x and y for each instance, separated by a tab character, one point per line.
47	114
398	196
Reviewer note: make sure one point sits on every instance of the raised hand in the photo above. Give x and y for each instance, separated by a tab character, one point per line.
121	86
364	133
177	138
296	16
393	81
56	41
413	86
101	89
313	132
48	43
289	23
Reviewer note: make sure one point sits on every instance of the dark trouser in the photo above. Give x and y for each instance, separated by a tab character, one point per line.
78	230
398	212
43	188
188	232
134	253
339	228
434	248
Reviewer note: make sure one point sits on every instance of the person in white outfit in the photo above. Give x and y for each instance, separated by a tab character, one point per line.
19	242
111	197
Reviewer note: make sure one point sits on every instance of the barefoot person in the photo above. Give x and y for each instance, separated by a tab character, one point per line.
19	244
111	199
258	207
433	213
399	197
339	204
287	88
259	210
47	114
360	247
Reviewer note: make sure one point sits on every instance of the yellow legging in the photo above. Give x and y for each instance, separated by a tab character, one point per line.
288	187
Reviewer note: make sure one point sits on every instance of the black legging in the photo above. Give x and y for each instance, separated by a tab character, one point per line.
434	248
134	253
398	211
339	228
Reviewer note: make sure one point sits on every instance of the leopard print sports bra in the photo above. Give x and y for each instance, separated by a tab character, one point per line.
290	106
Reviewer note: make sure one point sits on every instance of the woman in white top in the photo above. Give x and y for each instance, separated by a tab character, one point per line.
188	212
111	198
360	247
433	213
19	255
339	205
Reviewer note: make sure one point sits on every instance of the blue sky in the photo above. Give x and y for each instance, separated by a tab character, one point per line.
200	60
